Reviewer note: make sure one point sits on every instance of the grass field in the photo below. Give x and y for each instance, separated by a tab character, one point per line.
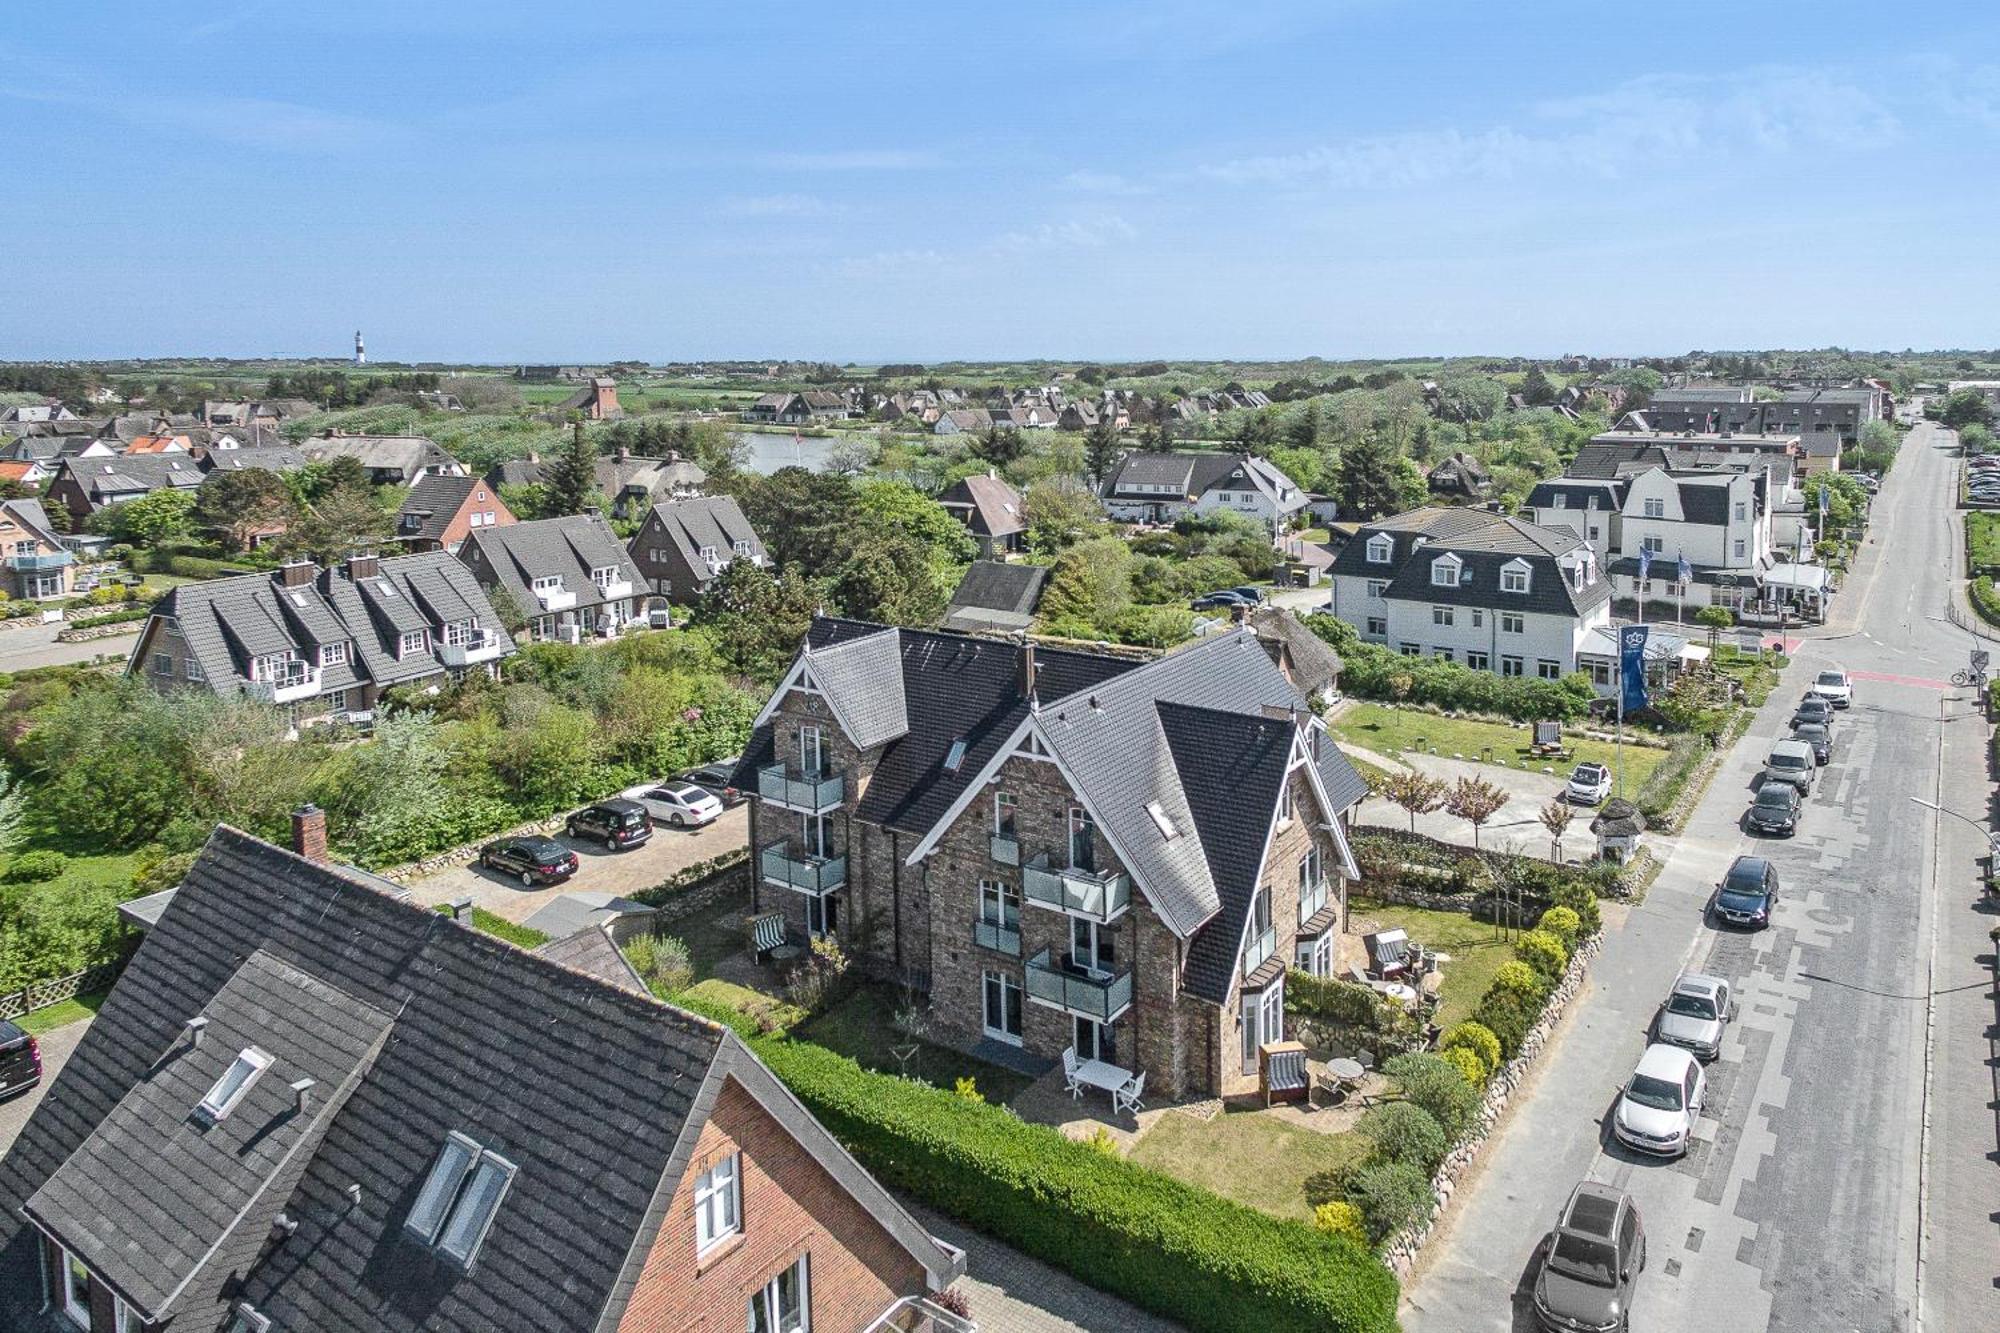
862	1027
62	1013
1476	952
1391	731
1250	1157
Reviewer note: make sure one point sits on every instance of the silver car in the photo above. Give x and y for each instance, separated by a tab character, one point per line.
1698	1008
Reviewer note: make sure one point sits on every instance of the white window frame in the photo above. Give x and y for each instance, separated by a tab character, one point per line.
412	641
1742	549
73	1302
1513	622
163	664
192	669
1478	661
990	982
458	633
1513	579
1444	572
1657	545
547	583
1478	618
718	1203
1510	666
1443	616
1381	549
1545	669
1260	933
1285	801
1378	588
1653	507
1000	904
1378	626
1007	824
124	1319
767	1299
218	1109
333	654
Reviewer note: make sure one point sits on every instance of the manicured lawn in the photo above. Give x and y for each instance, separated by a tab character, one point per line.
1391	731
62	1013
862	1027
1982	541
745	1001
1476	952
1250	1157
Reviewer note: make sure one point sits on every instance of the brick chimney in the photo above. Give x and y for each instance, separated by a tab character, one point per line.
309	833
363	566
297	573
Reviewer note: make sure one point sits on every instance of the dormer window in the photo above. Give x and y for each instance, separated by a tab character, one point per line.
710	556
455	1208
1380	548
332	654
1654	508
1558	501
413	641
604	576
1514	578
548	583
235	1084
1445	571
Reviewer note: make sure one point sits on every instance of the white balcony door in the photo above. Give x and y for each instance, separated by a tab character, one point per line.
1263	1020
1095	1040
1082	843
1091	946
813	835
811	751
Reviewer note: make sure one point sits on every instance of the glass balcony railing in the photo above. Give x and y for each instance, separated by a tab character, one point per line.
1099	895
1102	996
29	564
791	867
1006	849
783	785
993	935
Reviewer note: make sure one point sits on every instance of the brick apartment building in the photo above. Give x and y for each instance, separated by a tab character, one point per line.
1064	849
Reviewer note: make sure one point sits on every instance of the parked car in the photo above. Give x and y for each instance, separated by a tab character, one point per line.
715	777
1791	761
1661	1102
681	804
1590	784
20	1060
1818	737
1776	809
617	823
1748	894
1813	708
1220	601
1591	1262
532	860
1696	1011
1251	593
1835	687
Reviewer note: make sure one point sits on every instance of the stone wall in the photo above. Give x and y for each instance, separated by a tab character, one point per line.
1401	1251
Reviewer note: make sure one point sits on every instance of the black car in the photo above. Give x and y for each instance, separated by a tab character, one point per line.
1812	708
1776	809
531	860
1251	593
618	824
20	1060
1749	893
1220	601
715	777
1819	737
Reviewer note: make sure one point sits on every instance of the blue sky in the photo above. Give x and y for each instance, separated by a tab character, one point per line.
926	181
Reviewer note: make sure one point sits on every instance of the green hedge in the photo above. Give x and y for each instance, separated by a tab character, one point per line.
111	618
1183	1252
1985	600
1370	671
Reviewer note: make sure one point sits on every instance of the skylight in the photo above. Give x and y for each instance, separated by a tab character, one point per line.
455	1208
1162	821
955	756
235	1083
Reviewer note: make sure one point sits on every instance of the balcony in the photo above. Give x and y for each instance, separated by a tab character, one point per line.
40	564
555	599
791	867
783	785
613	590
1006	850
481	647
296	681
1101	896
999	938
1312	899
1096	995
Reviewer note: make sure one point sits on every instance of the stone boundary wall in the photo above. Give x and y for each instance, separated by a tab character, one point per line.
464	853
1402	1250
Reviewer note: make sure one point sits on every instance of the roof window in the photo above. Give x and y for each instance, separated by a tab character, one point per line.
1162	821
955	757
455	1208
235	1083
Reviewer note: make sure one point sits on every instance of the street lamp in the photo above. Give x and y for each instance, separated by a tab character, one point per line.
1992	837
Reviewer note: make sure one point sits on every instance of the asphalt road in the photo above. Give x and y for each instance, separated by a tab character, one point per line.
1799	1208
35	645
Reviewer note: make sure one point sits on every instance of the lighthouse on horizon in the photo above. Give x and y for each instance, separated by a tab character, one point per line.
360	352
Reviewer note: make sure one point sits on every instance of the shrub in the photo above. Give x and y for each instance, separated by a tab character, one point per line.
1390	1196
1508	1015
1516	978
1467	1064
663	961
1543	952
1476	1038
1582	900
821	978
967	1089
1405	1132
1341	1218
1438	1088
1207	1263
110	618
1563	923
1098	1140
35	866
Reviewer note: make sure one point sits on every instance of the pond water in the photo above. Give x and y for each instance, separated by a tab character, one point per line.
771	450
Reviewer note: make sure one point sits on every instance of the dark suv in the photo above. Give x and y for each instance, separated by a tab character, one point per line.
1591	1263
1749	893
20	1060
531	860
618	824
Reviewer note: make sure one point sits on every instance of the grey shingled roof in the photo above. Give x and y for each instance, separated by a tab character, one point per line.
270	457
102	478
482	1038
1315	664
406	454
995	585
592	952
711	520
433	502
571	546
1484	542
994	507
570	912
863	682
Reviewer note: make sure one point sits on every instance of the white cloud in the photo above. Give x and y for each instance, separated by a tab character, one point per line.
775	206
1072	234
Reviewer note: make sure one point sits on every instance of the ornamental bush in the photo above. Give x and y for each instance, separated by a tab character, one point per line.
1543	952
1390	1196
36	866
1515	977
1563	923
1508	1015
1203	1261
1582	900
1467	1064
1436	1086
1340	1218
1404	1132
1478	1039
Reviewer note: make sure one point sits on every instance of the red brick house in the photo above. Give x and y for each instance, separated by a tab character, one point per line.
439	513
311	1105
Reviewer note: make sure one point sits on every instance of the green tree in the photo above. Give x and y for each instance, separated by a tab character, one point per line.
1966	407
341	522
573	475
807	519
756	619
1100	451
1715	619
1536	390
1368	481
148	520
241	505
1060	513
1000	445
1303	466
1303	431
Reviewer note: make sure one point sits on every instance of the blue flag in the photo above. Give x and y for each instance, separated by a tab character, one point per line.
1645	563
1632	666
1822	501
1686	570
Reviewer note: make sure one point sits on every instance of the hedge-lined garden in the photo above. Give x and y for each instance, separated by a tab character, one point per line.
1370	671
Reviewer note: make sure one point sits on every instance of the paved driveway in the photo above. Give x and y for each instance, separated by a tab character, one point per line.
36	646
1516	828
670	850
1013	1293
56	1047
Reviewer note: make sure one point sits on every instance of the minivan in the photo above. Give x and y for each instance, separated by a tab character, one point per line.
1793	762
20	1060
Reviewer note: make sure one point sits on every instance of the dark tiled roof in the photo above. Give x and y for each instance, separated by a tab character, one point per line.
714	520
1577	493
270	457
995	585
433	502
592	952
1704	501
518	553
995	506
1314	662
407	454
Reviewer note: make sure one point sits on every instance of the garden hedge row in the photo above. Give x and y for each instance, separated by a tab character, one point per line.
1205	1262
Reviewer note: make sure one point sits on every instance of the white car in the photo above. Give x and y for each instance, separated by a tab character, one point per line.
1590	784
1835	687
681	804
1662	1101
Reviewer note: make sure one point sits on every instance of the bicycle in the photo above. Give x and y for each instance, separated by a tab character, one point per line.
1964	677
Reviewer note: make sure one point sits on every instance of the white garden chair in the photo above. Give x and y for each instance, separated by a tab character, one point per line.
1127	1097
1070	1082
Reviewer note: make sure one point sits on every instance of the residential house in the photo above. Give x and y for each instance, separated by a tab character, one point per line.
1307	660
996	597
1489	591
778	409
1064	851
389	460
159	444
36	413
597	400
1160	488
1078	416
963	421
28	474
236	457
1825	419
632	483
991	511
569	577
320	642
308	1104
439	512
50	448
684	544
1460	478
85	485
39	566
